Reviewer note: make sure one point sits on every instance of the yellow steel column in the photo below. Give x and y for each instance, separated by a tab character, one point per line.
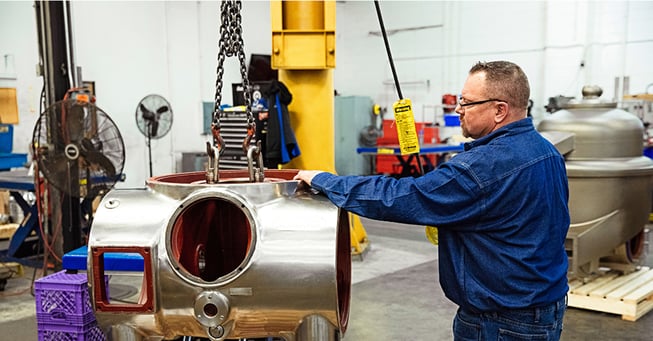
303	50
311	114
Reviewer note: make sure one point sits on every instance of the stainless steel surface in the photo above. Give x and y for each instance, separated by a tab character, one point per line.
228	260
610	182
563	141
591	100
599	133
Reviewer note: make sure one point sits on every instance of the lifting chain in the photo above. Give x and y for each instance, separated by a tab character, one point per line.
231	44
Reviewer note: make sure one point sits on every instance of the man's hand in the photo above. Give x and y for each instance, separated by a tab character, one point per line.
306	175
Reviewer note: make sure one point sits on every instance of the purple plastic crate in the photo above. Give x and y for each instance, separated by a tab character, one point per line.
63	298
58	332
61	317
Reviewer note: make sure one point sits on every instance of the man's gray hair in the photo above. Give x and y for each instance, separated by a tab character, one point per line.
505	81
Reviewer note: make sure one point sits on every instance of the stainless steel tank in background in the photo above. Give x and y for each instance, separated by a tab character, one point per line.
224	261
610	182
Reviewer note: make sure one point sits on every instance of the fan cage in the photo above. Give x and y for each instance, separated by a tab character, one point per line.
78	148
154	116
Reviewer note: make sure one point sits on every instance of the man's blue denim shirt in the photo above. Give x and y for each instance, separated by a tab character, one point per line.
501	208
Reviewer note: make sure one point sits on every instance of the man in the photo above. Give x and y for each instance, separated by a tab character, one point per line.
500	208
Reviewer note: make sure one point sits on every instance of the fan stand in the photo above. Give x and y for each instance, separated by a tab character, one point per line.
149	144
147	120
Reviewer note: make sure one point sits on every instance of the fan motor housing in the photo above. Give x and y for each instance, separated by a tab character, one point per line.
228	260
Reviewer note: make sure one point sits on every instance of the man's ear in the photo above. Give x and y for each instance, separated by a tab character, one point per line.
501	114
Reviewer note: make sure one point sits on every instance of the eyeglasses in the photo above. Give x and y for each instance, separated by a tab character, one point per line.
462	105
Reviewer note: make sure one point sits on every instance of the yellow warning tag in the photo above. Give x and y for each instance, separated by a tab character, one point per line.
408	141
432	234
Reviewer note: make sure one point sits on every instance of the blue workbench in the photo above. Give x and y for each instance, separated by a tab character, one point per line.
405	160
16	181
424	149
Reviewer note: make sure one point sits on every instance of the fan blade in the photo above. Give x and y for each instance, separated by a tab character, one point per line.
146	113
56	170
88	146
162	109
103	162
58	167
75	122
154	128
93	156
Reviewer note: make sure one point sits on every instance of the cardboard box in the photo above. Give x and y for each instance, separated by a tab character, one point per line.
4	202
8	106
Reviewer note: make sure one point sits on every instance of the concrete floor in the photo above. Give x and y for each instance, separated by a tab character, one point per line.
395	296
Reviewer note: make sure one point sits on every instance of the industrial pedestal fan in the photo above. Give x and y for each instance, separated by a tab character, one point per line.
78	148
154	120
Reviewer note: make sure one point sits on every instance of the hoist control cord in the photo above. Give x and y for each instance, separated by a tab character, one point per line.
394	71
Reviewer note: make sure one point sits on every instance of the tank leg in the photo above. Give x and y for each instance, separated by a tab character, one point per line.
316	328
123	333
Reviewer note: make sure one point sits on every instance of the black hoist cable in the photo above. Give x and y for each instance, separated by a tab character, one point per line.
394	71
387	49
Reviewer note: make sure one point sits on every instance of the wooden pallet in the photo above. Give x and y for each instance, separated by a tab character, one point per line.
7	271
7	230
12	268
629	295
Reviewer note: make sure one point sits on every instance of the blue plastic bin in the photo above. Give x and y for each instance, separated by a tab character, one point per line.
452	120
6	138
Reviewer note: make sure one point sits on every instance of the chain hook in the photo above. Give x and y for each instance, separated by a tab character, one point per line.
251	133
212	169
254	155
214	152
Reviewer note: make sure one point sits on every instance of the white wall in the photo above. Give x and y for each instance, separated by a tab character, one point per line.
132	49
549	39
18	38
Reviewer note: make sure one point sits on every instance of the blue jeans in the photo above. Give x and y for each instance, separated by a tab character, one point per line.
543	323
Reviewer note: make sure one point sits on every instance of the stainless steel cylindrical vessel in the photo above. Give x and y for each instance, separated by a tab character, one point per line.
224	261
609	180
